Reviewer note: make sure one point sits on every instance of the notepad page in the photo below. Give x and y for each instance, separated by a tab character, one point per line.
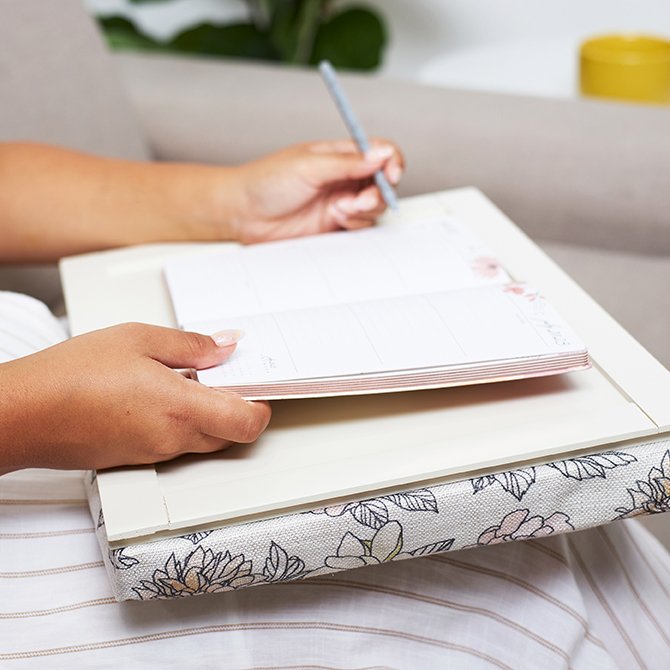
406	333
393	260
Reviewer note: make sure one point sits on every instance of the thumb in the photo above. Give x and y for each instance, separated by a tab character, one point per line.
327	168
181	349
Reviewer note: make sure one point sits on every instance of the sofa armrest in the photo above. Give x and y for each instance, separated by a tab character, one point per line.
580	172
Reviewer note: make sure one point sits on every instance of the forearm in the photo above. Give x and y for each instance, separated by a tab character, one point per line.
55	202
22	414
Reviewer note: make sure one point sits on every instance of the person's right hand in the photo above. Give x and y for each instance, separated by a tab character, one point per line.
112	397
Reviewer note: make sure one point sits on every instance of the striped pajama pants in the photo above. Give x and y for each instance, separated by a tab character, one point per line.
597	599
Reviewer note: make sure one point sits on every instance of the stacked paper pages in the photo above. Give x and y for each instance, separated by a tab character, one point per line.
409	305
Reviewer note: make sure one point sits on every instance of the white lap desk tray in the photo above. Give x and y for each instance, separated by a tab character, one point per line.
405	474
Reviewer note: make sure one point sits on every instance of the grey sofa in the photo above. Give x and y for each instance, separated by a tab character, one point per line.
589	180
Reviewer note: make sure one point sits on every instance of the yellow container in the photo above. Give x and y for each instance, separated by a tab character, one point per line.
626	67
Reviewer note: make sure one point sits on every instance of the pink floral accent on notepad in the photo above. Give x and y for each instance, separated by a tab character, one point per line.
486	267
523	291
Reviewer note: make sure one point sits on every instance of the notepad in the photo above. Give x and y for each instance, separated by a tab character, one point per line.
416	304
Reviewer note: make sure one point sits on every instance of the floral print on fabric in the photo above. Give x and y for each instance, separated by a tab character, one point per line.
517	482
520	525
201	571
558	497
653	495
588	467
374	513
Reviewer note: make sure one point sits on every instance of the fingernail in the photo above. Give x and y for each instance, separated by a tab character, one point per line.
394	173
365	202
378	154
346	205
226	338
339	210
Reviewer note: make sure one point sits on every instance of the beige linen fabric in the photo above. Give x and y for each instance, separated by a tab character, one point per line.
594	599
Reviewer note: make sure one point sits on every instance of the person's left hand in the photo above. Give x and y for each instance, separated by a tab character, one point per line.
312	188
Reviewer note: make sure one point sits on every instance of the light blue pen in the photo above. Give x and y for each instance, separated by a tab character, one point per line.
355	129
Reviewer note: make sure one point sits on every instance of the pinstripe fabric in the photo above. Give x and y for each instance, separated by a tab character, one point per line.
26	325
596	599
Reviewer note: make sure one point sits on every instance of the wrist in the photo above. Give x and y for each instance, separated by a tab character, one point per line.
227	203
208	201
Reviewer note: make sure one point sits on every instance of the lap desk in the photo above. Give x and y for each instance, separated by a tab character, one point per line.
405	474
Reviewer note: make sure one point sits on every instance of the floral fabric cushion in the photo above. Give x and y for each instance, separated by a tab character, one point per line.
558	497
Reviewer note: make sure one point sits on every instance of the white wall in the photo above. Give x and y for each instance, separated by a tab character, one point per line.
423	29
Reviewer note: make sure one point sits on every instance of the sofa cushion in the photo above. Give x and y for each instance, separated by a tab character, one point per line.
631	287
57	81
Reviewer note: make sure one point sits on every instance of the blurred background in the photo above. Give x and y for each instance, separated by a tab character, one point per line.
517	46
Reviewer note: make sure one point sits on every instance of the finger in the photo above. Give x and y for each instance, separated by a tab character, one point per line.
333	167
350	147
395	165
366	204
227	416
179	349
356	224
339	220
334	146
206	444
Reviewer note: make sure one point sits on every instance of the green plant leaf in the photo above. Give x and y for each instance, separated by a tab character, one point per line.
353	39
243	40
121	33
283	29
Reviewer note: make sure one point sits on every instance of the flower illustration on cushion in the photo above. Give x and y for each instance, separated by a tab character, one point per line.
202	571
355	553
651	496
519	525
333	510
486	266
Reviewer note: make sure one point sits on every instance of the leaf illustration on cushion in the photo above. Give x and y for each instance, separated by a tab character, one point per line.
372	513
516	482
196	537
434	548
589	467
120	561
480	483
418	500
279	567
